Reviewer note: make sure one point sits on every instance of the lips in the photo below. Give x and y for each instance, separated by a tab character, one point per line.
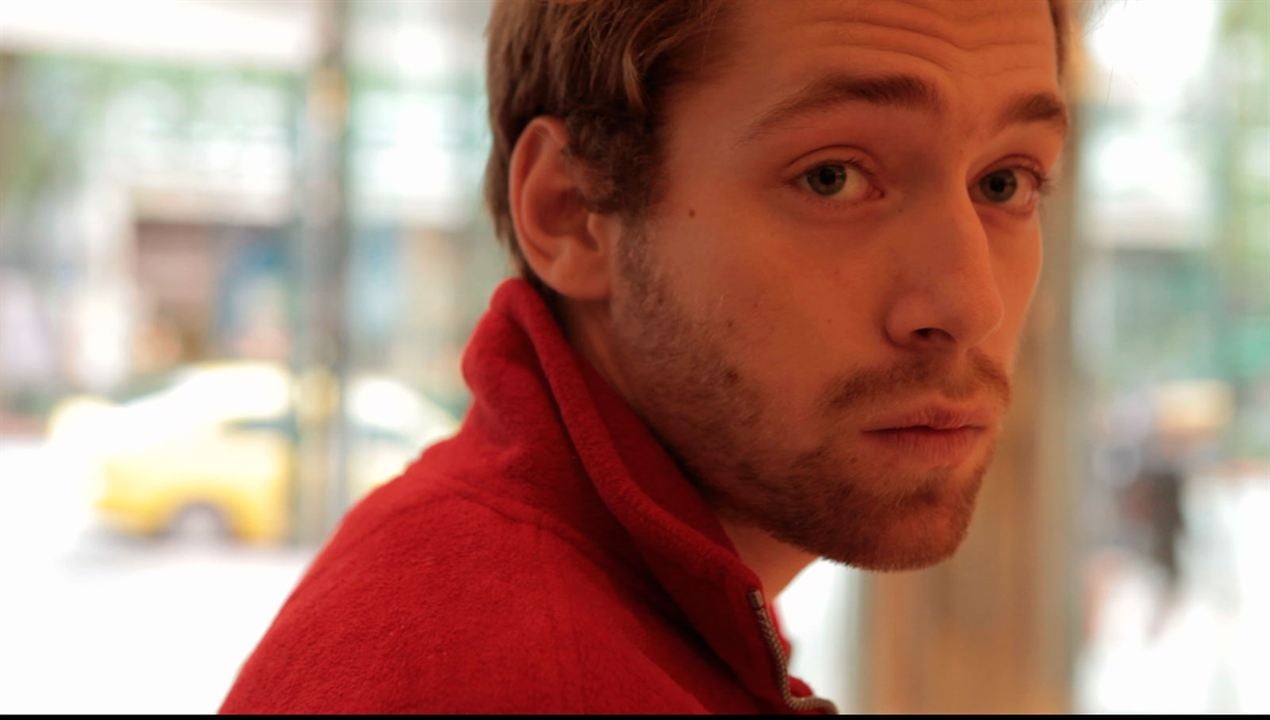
936	416
932	435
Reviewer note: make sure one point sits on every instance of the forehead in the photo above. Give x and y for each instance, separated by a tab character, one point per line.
958	36
973	52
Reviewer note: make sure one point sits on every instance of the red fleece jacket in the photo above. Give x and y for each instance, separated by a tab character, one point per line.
548	558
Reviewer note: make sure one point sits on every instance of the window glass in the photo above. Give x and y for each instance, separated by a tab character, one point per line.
1173	333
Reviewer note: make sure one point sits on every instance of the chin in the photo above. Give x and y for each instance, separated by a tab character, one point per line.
869	532
921	532
872	520
913	547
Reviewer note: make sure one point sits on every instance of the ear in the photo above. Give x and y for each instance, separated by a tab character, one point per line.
566	245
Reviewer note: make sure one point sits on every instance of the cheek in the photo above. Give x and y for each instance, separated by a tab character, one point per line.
801	323
788	304
1024	274
1018	273
738	290
726	268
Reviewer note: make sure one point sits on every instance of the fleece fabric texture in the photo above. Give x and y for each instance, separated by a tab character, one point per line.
550	557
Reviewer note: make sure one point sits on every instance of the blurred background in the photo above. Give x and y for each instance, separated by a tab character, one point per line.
242	248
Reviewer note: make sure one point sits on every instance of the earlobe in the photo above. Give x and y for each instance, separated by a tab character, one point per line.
553	224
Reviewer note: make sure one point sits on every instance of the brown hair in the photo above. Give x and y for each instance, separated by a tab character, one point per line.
604	67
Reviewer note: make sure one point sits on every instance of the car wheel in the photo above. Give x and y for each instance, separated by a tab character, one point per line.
200	522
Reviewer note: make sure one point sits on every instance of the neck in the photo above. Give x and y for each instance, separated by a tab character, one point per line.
776	563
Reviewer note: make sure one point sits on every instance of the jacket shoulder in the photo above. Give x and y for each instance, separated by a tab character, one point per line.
449	605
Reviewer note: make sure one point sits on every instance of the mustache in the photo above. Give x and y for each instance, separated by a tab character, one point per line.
922	375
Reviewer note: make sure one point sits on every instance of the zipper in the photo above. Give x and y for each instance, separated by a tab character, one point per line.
810	703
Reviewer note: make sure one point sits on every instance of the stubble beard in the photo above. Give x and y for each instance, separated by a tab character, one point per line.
716	424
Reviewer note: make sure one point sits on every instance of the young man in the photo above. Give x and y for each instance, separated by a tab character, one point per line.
775	260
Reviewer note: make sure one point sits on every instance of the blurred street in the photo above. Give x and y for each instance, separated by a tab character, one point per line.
94	622
1202	646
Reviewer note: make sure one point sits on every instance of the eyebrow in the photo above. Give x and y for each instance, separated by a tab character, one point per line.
900	91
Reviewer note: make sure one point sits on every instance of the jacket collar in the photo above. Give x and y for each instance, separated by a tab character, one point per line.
519	352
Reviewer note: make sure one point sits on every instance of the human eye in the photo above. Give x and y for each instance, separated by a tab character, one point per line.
1016	189
836	182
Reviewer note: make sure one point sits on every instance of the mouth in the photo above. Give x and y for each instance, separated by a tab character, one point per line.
932	434
936	416
925	444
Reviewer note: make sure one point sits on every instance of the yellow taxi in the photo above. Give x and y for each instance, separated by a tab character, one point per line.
218	442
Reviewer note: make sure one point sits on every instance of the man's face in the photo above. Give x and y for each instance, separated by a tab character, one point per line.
820	318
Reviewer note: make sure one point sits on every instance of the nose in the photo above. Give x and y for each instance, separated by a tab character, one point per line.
947	296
